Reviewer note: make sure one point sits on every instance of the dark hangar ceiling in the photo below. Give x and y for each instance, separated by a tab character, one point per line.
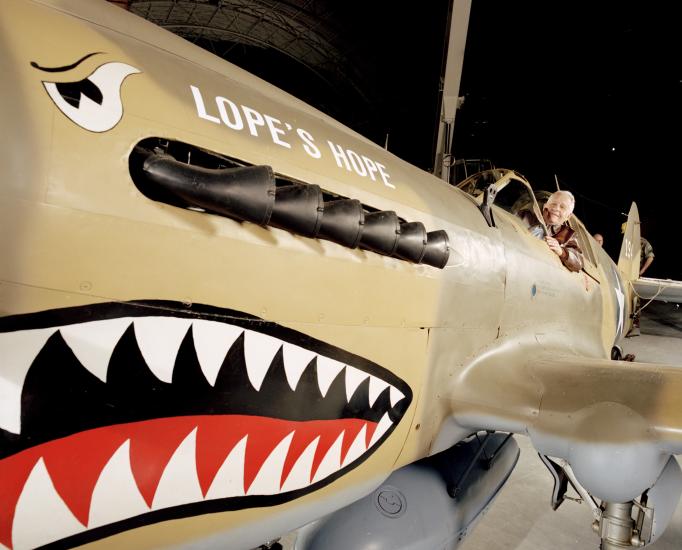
371	66
302	31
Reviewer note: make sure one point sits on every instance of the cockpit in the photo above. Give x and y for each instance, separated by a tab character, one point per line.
508	190
511	192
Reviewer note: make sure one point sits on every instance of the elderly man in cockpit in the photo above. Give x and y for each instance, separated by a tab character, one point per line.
561	239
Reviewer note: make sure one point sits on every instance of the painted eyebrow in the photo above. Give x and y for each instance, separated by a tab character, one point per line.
64	68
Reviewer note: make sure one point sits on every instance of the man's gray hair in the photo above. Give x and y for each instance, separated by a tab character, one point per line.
567	194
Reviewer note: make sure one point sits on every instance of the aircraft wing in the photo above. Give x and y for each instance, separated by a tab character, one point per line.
665	290
615	422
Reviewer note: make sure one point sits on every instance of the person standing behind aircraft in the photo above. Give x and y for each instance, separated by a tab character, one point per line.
599	238
646	257
561	239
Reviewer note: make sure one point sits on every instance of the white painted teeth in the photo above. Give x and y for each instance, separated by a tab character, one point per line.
212	341
354	378
396	395
299	476
383	426
259	351
376	387
296	359
357	448
267	481
93	343
159	339
179	483
331	461
327	370
229	481
42	516
40	512
17	352
116	496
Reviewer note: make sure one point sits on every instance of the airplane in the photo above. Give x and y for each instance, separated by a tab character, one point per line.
225	315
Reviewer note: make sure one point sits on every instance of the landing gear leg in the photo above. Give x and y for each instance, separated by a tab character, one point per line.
616	528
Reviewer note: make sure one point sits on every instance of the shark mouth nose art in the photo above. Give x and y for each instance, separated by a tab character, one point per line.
118	415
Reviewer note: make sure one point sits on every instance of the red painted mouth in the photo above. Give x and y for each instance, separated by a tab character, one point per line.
121	415
233	456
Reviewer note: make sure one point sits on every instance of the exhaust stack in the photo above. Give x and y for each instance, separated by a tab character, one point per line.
251	193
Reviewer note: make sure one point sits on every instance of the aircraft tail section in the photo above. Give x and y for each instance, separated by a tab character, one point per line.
645	288
630	250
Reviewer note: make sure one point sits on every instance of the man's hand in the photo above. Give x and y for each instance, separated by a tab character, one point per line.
646	265
554	246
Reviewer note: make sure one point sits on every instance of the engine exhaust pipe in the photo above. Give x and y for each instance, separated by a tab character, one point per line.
250	194
246	193
342	222
412	242
437	249
299	209
381	232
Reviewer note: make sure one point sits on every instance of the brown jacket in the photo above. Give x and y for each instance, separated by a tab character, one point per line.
572	256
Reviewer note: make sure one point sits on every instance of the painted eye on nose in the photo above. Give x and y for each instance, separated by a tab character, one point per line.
94	103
